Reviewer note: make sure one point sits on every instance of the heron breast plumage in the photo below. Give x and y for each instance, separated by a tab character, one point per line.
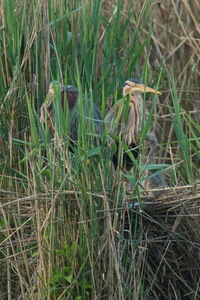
130	126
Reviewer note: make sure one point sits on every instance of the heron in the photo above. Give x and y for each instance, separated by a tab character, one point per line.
71	97
155	180
125	120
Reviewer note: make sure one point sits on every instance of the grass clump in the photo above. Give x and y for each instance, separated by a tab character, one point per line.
70	229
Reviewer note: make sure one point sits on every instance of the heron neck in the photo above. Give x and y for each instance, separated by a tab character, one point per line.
137	101
136	95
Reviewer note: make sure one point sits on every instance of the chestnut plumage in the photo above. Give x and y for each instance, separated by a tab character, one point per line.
70	96
125	120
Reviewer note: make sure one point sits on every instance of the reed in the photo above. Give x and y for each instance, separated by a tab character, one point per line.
69	227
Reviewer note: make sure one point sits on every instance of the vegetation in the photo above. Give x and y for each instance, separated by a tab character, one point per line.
69	226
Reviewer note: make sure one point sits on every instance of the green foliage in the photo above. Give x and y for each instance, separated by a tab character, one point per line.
65	277
48	193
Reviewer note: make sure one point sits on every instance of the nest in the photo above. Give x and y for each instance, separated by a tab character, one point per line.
171	199
168	224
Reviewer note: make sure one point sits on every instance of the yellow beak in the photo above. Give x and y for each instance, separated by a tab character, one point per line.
142	88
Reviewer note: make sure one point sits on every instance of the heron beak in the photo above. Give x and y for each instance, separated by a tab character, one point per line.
141	87
149	90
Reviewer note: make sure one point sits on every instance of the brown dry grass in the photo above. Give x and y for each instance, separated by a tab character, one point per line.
162	250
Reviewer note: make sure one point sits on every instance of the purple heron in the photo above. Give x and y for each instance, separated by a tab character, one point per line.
125	120
71	97
156	179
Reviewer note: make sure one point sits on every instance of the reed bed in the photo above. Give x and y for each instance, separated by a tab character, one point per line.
70	227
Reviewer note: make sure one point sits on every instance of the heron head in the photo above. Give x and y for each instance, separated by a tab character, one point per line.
133	85
52	86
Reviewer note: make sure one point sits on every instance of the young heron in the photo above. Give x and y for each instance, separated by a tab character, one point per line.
156	179
70	96
125	119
